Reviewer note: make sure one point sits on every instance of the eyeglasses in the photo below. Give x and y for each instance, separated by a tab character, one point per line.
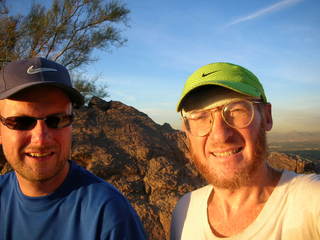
237	114
27	123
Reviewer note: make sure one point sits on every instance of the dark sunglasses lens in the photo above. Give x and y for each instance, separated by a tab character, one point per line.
59	121
28	123
20	123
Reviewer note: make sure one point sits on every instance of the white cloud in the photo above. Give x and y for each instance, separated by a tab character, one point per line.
270	9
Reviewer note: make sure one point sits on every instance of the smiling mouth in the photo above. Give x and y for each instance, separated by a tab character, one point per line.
39	155
227	153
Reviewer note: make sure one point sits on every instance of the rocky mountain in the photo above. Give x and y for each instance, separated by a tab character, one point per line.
147	162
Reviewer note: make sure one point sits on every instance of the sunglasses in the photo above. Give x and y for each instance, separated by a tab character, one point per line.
54	121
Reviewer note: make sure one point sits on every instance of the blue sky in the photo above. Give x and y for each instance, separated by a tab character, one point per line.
168	40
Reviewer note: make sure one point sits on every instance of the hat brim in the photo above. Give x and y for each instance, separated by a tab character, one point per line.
234	86
76	98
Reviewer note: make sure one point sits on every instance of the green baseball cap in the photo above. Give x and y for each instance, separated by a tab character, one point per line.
228	75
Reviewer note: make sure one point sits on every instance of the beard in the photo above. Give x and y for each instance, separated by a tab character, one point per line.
243	176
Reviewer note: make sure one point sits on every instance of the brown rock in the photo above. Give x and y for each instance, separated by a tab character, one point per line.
293	163
147	162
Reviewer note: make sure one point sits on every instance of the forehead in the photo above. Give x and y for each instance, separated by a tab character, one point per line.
35	93
210	97
36	99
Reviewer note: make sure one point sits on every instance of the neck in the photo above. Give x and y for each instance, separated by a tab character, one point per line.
33	188
257	191
230	211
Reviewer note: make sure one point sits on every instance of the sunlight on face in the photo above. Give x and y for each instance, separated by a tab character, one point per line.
229	157
41	153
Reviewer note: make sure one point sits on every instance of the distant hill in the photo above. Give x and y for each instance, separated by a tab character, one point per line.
296	136
304	144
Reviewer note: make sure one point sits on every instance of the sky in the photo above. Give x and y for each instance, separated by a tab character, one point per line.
278	40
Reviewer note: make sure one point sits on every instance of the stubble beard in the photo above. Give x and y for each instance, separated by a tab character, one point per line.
243	176
34	173
43	178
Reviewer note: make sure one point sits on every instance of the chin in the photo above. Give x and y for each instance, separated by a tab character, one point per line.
237	176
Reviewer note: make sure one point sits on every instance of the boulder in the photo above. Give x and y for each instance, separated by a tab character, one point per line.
146	161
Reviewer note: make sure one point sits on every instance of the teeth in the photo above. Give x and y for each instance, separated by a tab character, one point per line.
39	154
226	154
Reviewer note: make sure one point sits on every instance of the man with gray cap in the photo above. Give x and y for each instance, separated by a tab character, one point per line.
225	117
48	196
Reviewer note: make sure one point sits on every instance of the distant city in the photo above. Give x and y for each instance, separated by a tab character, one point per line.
304	144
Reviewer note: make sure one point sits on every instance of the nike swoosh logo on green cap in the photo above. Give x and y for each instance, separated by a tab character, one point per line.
206	74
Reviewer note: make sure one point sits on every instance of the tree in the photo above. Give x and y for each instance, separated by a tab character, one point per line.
88	87
67	32
7	34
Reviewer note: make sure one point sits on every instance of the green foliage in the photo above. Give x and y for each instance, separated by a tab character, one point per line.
88	87
67	32
8	34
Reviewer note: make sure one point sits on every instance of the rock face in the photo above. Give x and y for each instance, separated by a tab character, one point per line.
293	163
147	162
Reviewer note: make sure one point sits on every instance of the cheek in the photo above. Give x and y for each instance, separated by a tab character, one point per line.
64	137
197	146
12	142
10	137
251	135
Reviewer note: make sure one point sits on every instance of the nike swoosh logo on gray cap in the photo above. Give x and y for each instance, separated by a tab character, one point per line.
37	70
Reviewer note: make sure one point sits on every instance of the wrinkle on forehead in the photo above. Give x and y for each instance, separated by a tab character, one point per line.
211	97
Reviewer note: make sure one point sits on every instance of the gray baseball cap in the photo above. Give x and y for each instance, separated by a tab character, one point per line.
22	74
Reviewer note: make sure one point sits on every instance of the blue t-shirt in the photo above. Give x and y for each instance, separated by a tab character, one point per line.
83	207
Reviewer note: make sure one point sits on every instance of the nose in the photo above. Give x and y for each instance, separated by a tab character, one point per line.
220	130
40	133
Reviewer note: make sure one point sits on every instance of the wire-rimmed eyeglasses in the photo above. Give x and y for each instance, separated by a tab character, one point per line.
236	114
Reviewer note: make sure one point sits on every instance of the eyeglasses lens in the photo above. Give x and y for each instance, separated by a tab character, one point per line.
236	115
59	121
199	123
28	123
20	123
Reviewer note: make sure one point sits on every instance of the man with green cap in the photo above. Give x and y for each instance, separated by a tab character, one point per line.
225	117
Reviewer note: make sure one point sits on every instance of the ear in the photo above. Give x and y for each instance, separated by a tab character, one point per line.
183	126
187	140
268	122
1	126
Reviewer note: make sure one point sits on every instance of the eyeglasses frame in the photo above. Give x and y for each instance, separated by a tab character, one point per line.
3	121
185	118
